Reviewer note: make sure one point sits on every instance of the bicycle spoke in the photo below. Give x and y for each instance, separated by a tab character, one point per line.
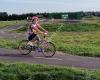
49	49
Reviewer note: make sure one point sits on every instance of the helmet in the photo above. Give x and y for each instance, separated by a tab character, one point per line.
34	17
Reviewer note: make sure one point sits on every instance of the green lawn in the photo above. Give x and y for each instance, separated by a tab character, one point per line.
9	44
8	23
78	43
22	71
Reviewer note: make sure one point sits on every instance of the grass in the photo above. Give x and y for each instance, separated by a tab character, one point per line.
8	23
79	27
78	43
91	20
9	44
22	71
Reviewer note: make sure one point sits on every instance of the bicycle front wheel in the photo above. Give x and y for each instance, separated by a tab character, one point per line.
49	49
24	48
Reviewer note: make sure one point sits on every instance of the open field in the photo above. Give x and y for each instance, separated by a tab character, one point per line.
78	39
22	71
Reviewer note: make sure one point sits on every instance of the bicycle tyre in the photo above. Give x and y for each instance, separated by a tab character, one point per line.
23	49
52	53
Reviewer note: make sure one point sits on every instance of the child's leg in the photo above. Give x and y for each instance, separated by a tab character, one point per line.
30	38
37	38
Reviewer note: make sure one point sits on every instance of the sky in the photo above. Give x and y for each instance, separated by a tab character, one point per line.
34	6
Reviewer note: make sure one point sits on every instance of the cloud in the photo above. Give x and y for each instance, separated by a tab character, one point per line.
21	6
31	1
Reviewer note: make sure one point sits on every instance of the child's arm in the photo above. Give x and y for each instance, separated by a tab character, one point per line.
42	28
37	31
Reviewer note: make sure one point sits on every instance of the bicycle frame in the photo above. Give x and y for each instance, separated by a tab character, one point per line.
40	40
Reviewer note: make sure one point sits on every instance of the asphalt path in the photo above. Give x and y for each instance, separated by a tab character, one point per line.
59	59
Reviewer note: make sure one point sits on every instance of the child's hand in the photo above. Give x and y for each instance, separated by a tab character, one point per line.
45	33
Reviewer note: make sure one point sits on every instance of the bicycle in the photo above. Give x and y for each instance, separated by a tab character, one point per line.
48	49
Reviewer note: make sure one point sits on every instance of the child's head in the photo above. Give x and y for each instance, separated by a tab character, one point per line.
35	19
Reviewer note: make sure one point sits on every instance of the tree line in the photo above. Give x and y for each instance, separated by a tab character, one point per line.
4	16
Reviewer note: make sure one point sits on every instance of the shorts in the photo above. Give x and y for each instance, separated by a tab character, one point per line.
31	36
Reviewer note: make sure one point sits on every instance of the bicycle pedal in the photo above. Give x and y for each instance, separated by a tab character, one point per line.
39	50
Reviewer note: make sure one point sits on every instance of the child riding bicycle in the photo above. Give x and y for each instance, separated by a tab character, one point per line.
34	29
43	46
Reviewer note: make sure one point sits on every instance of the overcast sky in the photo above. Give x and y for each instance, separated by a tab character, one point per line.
27	6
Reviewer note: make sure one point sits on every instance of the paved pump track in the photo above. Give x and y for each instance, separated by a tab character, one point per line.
59	59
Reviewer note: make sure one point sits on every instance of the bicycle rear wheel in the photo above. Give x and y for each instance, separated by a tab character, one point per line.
24	48
49	49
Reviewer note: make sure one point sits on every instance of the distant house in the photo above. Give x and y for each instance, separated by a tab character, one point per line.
72	15
65	16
